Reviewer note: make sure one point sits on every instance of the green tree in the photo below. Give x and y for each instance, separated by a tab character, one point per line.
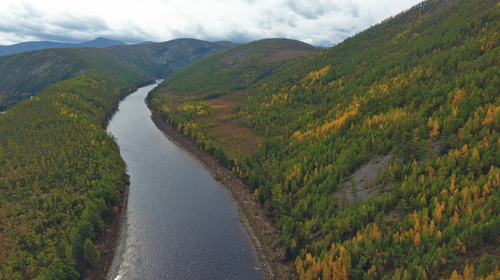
486	265
90	253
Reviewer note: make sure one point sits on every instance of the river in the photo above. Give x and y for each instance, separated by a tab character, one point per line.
180	223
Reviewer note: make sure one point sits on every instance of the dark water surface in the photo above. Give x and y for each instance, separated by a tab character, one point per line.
181	224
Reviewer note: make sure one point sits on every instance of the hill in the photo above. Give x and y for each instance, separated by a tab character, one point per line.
61	174
236	68
23	75
40	45
379	157
214	81
163	59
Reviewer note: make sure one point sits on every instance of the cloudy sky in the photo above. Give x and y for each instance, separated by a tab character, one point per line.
317	22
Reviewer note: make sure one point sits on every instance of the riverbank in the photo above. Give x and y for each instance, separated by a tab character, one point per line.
108	242
253	217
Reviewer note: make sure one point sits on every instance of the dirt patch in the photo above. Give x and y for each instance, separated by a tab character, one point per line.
362	183
260	228
238	140
391	216
436	146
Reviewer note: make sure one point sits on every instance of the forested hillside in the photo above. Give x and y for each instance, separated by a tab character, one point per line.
236	68
61	174
25	74
203	93
163	59
379	157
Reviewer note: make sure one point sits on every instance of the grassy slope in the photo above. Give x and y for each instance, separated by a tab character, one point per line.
428	78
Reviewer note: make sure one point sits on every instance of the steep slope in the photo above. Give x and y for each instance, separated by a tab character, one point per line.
415	98
40	45
23	75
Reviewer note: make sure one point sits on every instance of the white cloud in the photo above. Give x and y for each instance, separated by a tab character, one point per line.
318	22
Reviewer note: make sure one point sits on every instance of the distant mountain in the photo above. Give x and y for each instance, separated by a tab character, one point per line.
101	43
146	43
34	46
164	59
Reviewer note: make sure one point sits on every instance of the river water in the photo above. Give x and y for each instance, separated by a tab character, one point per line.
180	223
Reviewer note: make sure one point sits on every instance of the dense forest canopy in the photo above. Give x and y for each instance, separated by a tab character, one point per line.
60	176
379	157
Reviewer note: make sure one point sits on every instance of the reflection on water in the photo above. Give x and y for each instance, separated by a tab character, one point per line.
180	223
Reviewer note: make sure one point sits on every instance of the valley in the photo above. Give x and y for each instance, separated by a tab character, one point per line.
377	158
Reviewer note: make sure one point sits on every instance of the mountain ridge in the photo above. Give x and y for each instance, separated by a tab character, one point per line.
40	45
24	74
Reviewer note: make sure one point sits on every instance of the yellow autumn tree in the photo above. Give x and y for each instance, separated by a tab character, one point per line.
416	240
434	126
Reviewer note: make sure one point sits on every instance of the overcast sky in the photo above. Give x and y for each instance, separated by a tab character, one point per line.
317	22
